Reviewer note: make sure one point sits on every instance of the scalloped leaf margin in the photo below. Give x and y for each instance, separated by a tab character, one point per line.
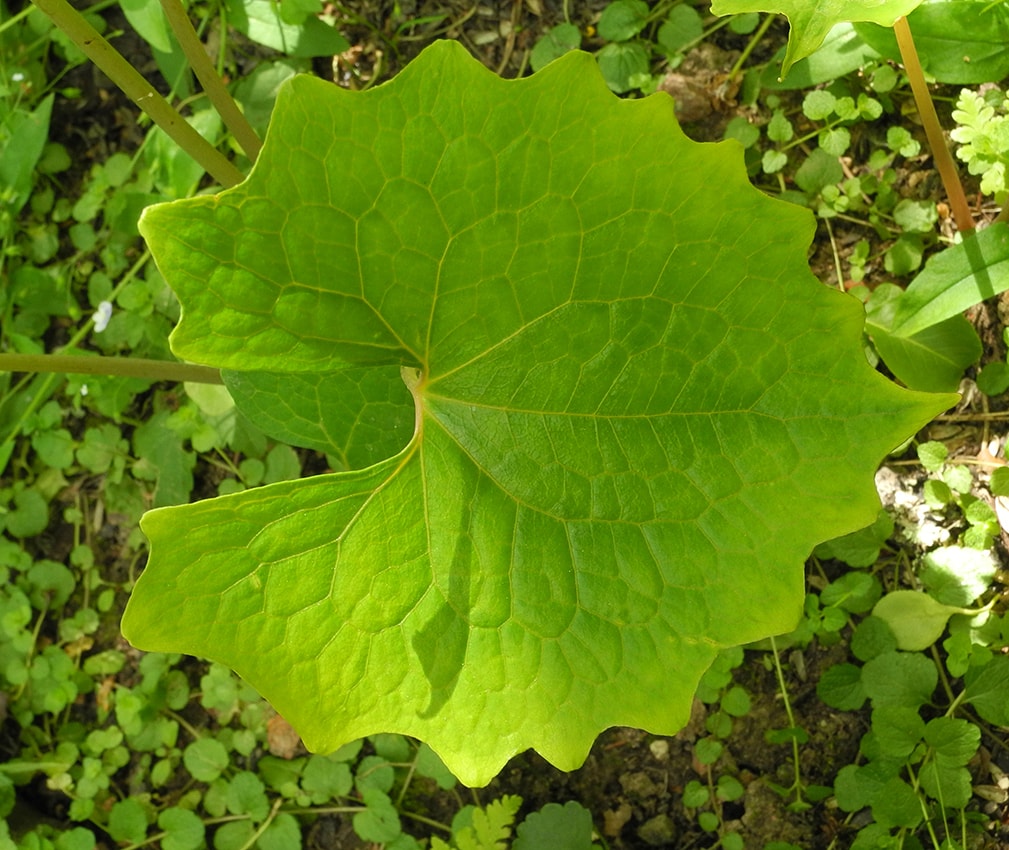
635	413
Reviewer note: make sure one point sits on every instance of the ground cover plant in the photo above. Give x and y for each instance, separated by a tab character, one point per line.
159	749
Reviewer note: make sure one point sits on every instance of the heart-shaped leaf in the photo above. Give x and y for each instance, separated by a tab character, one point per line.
634	413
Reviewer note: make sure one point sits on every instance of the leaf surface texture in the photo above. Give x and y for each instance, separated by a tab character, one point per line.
632	412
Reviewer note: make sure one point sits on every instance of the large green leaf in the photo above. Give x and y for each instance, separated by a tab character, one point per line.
958	41
358	416
811	20
635	413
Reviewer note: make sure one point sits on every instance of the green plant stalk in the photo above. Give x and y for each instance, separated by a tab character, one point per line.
751	45
797	783
212	84
126	367
141	92
933	129
264	825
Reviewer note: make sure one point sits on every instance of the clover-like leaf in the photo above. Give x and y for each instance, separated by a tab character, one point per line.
811	20
634	413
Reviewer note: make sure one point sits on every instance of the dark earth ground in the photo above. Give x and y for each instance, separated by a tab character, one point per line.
632	782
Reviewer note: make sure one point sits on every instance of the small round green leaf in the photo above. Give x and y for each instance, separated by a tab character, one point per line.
184	829
916	619
127	822
622	19
205	759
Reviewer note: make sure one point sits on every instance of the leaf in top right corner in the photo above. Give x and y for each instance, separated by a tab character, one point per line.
811	21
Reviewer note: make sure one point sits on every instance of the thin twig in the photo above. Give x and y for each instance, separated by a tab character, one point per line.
212	84
141	92
933	129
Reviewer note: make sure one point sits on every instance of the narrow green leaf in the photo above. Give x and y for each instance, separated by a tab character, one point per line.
624	385
22	139
954	280
932	359
149	20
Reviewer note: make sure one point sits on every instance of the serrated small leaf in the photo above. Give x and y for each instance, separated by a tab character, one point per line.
184	830
282	833
1000	481
567	827
896	805
553	44
622	19
900	678
206	759
898	729
326	779
986	690
379	822
127	822
954	740
683	26
872	637
246	796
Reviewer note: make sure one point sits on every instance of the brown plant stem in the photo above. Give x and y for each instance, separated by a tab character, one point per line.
933	129
127	367
141	92
212	84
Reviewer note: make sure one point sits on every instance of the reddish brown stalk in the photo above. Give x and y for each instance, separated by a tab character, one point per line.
933	129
